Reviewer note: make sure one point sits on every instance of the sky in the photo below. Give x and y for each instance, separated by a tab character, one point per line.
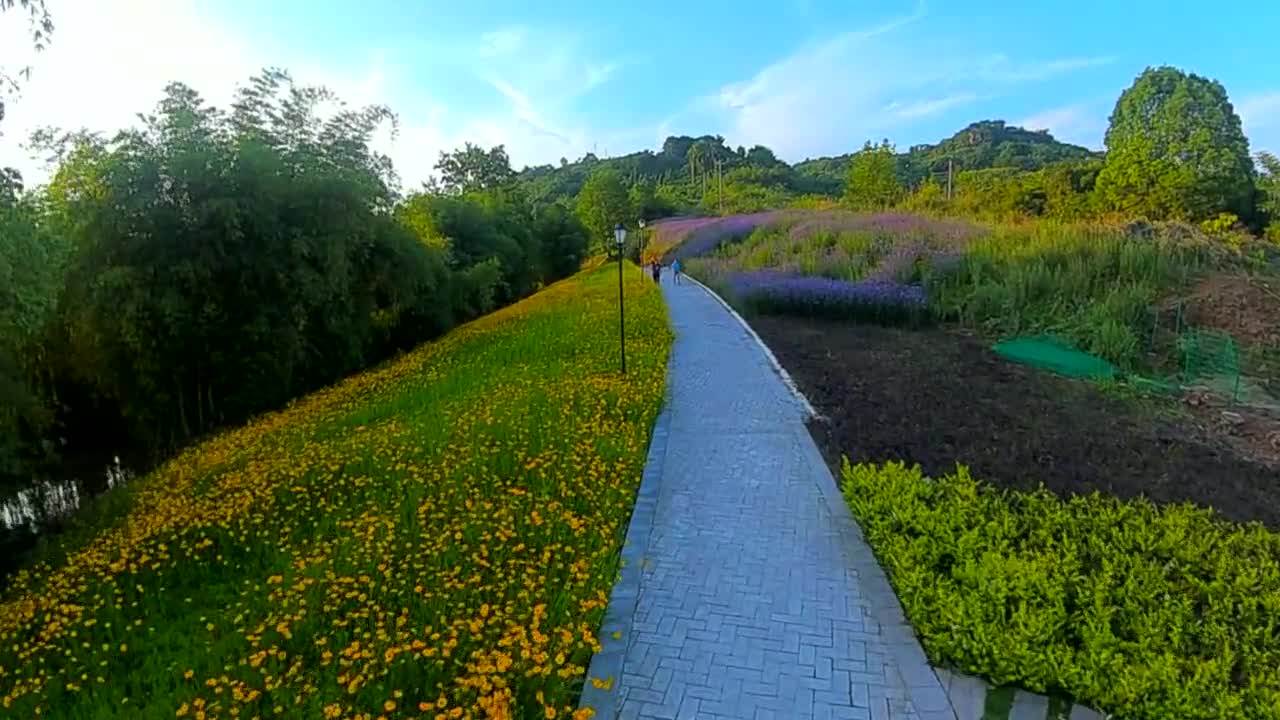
560	78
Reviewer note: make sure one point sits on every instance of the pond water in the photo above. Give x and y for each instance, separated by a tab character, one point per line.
51	501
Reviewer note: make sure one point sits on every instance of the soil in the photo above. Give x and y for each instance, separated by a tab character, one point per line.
940	397
1246	307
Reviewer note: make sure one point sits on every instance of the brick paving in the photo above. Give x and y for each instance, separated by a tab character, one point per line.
757	596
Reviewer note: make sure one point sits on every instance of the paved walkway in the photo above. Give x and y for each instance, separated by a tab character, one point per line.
758	597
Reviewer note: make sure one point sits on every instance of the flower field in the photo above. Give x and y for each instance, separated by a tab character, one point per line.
435	538
694	236
834	263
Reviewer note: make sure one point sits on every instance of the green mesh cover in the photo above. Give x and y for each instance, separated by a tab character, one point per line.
1211	358
1057	356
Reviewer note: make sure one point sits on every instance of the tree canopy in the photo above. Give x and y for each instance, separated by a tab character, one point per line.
472	168
1175	148
873	181
603	203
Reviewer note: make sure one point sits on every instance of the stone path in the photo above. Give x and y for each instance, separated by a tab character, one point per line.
748	591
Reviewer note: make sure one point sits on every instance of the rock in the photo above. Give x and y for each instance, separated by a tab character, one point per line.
1233	417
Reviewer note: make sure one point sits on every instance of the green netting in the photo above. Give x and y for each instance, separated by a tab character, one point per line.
1211	359
1057	356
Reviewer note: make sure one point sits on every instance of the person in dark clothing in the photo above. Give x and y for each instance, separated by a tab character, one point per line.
657	272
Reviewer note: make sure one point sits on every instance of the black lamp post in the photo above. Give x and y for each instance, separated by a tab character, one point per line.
620	236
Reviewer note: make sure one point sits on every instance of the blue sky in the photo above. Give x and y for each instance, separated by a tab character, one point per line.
563	77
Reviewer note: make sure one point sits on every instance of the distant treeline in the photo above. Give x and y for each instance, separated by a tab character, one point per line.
1175	150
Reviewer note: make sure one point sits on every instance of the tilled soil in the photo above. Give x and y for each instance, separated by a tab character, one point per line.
938	398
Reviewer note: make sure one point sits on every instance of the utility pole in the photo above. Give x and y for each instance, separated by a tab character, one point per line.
948	178
720	181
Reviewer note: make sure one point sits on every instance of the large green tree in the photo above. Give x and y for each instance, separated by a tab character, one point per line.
473	168
603	203
1175	149
872	181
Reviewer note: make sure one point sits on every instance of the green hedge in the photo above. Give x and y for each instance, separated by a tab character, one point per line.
1142	611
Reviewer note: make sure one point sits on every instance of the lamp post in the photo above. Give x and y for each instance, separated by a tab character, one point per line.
620	236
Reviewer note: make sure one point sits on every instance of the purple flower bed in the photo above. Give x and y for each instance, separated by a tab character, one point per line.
949	233
707	236
879	300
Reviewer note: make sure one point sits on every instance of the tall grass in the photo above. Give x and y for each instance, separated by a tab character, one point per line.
438	536
1095	285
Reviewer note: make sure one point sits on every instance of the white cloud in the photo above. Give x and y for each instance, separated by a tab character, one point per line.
109	61
1002	69
1260	115
860	85
924	108
1078	124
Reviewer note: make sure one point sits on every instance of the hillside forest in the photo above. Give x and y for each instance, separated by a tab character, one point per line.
213	264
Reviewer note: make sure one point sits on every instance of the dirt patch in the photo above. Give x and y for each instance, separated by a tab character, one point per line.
939	397
1244	306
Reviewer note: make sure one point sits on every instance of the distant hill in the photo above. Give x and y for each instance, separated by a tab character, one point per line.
980	146
687	161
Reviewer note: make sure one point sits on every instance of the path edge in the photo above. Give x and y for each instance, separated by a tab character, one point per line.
619	615
809	411
924	688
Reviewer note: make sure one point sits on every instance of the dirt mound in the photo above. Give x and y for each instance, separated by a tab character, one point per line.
1246	307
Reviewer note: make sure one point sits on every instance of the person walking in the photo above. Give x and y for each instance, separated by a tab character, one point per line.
657	272
675	270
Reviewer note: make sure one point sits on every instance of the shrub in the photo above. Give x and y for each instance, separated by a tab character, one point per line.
1145	611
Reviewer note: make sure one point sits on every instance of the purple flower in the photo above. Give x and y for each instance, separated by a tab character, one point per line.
770	290
702	237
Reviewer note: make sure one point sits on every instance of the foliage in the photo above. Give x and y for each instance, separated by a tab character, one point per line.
1062	191
601	205
472	168
31	265
872	183
1175	149
1269	186
211	264
1144	612
439	534
979	146
40	28
1093	285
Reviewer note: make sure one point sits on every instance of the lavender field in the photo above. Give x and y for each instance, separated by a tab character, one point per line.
831	263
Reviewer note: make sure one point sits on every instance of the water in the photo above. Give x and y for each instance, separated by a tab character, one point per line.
50	502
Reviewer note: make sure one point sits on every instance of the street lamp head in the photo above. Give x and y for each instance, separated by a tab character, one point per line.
619	234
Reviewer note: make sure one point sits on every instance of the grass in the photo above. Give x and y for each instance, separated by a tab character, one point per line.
1093	284
433	538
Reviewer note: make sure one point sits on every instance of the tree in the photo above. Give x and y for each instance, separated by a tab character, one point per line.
872	182
762	157
472	168
1269	194
1175	149
40	27
1269	185
564	240
602	203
